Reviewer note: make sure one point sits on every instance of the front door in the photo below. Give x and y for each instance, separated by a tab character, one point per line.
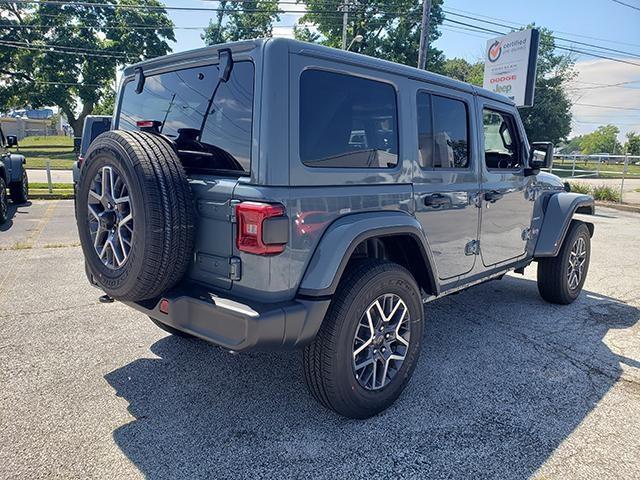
446	179
507	205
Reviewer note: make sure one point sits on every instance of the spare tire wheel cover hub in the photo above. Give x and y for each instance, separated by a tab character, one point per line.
110	216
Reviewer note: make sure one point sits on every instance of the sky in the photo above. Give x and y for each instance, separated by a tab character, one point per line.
605	23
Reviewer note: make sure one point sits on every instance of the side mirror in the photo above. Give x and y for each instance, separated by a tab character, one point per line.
77	143
12	141
225	64
540	155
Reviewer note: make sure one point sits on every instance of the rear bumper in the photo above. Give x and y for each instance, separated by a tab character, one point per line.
236	325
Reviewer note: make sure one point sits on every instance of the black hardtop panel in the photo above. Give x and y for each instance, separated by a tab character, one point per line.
183	59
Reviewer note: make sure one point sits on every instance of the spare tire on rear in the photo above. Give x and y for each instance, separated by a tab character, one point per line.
135	215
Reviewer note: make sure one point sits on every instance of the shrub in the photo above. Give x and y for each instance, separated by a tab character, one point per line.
606	193
578	187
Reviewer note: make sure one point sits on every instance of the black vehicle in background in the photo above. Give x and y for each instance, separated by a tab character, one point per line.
14	183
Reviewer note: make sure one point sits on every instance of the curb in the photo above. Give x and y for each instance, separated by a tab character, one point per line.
623	207
51	196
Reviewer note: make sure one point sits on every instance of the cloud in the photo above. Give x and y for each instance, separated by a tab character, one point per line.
591	98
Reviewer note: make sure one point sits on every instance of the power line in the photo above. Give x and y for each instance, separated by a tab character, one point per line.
571	34
554	36
613	107
90	50
51	50
626	5
560	47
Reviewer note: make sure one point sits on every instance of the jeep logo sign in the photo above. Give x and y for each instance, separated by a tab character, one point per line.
510	65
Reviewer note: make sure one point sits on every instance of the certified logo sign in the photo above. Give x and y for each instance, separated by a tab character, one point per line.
495	50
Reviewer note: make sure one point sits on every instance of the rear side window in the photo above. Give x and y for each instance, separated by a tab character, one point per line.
347	121
443	134
211	134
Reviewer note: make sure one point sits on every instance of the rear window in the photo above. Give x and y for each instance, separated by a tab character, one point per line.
347	121
180	100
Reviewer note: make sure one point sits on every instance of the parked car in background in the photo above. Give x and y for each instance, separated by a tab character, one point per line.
14	182
274	194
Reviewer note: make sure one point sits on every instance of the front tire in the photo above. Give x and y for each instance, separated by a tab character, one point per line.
4	202
561	278
20	190
369	342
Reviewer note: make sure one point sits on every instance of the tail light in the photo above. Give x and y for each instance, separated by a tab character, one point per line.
150	126
263	228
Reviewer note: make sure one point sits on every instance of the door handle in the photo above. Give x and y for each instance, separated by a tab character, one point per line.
493	196
436	200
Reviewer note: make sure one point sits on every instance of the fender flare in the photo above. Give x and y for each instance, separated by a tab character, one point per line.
558	215
331	255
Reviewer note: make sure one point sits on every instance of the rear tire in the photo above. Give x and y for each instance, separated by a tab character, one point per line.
4	202
561	278
135	215
20	190
331	362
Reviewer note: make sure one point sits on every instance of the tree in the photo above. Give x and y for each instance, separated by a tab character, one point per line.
67	54
572	145
603	140
549	119
390	28
632	147
460	69
245	20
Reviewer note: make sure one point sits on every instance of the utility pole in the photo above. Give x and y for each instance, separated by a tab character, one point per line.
424	34
344	8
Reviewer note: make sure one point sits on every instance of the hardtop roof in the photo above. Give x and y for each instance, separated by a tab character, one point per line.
312	49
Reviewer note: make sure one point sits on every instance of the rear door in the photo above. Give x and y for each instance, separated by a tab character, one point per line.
213	135
446	180
507	202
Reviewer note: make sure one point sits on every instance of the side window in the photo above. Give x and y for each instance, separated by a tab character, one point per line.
501	150
443	134
347	121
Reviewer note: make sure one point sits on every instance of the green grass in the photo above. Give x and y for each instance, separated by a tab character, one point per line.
578	187
55	186
604	193
57	149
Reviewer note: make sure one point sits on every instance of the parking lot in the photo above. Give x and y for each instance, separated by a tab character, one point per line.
507	386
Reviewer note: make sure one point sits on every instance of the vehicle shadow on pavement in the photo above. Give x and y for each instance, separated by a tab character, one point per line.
11	213
503	379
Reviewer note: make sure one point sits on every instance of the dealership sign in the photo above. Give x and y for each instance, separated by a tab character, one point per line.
510	65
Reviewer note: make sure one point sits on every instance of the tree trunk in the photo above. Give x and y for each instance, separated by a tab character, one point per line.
77	123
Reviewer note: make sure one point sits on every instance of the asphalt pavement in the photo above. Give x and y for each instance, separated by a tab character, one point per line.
507	386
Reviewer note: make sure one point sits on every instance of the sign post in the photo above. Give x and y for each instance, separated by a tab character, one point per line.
510	65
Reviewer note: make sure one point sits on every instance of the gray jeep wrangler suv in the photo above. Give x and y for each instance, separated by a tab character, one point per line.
278	194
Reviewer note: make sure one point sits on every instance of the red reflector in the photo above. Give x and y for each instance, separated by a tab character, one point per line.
146	123
251	217
80	160
164	306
